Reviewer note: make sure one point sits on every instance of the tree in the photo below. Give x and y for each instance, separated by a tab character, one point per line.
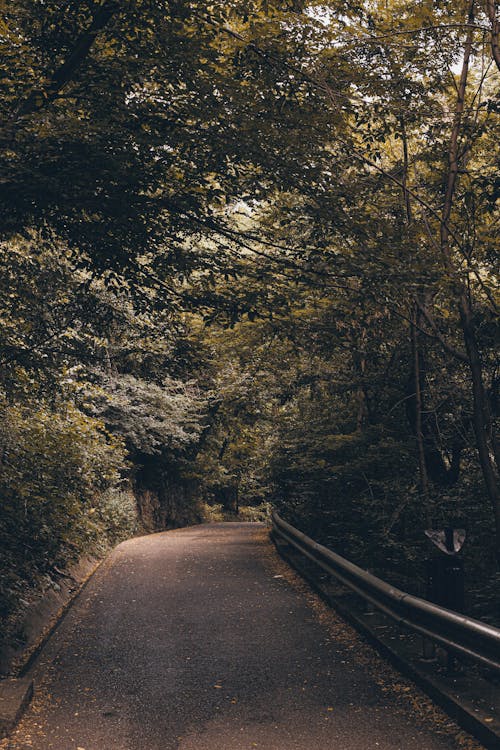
226	223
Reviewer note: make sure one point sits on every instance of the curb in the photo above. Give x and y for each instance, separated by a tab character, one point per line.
15	696
28	660
457	695
16	690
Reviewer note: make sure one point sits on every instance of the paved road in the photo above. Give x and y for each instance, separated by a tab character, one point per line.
189	640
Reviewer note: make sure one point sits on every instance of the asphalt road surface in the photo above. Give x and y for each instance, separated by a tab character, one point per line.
192	640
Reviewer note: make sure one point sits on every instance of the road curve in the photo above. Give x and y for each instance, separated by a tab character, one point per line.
189	640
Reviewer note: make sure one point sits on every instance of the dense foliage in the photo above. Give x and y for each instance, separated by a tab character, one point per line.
249	256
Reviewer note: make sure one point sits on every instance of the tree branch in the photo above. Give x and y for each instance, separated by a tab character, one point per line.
491	10
438	335
39	99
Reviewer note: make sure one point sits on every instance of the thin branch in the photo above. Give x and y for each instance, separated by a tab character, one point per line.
437	335
420	29
354	152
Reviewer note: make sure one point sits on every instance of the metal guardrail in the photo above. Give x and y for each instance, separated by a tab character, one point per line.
457	633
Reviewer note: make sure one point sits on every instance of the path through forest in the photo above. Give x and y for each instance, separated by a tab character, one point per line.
198	639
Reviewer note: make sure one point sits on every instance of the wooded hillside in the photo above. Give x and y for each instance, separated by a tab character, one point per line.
249	258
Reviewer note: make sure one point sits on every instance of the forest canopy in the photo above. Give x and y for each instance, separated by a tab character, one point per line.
249	258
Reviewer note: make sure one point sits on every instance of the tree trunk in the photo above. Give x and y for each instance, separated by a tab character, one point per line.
415	346
482	417
422	467
359	361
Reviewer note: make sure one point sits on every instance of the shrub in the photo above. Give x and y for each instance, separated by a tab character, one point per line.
57	469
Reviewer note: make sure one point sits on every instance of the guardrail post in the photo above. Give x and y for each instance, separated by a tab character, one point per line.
445	580
369	608
428	650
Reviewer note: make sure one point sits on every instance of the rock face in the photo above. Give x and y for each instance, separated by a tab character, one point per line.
164	499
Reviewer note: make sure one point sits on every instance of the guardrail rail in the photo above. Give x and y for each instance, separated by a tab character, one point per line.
457	633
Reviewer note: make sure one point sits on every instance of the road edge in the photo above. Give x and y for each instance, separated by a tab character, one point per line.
459	708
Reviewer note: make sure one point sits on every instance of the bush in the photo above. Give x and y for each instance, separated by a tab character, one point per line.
57	471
